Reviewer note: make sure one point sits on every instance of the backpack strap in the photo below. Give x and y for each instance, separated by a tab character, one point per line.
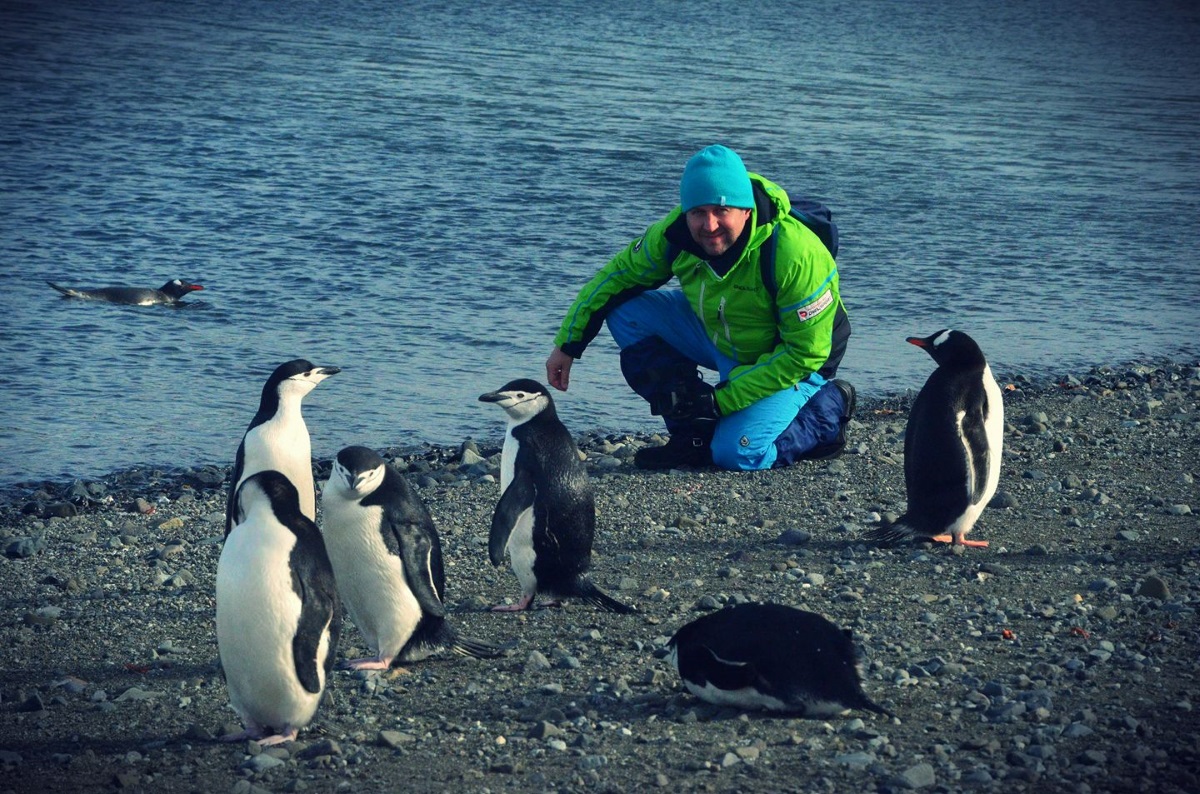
766	271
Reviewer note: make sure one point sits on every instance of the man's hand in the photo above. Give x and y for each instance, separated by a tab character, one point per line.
558	369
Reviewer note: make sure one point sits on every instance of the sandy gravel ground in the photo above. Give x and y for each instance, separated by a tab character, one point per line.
1062	658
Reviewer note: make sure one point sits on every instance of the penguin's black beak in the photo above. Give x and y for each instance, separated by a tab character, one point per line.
329	370
491	397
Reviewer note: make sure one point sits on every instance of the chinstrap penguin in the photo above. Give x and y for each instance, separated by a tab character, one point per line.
546	516
770	657
952	445
169	293
278	618
387	560
277	437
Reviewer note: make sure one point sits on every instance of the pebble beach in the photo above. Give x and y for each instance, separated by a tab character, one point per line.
1064	657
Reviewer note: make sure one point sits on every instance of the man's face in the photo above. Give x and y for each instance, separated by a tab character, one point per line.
716	228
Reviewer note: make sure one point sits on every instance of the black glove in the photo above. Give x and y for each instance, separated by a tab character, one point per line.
691	400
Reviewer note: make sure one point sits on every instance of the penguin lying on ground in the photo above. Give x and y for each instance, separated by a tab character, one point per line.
387	560
952	445
169	293
277	437
546	516
278	618
770	657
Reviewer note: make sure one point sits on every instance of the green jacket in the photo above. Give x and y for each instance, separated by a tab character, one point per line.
777	342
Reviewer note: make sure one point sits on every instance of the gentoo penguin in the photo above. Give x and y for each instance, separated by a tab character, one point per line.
278	618
169	293
277	437
770	657
546	517
952	445
387	560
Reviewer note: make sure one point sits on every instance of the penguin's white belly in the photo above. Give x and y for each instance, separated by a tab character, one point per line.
257	615
508	459
993	428
369	578
994	431
520	541
521	553
283	444
752	699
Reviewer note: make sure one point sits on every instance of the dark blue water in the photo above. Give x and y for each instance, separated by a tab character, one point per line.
415	192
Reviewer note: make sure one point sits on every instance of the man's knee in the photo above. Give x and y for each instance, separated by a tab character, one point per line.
742	453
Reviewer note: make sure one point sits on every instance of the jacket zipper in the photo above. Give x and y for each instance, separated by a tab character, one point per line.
725	323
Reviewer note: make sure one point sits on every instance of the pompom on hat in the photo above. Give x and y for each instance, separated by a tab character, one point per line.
715	175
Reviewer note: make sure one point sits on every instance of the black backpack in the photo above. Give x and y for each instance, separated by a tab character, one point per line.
817	217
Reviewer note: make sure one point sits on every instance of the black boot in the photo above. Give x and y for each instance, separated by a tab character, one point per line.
834	449
685	448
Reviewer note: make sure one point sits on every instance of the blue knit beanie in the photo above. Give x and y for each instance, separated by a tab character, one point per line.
715	175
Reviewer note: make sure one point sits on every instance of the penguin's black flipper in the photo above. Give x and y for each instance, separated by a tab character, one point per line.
517	498
320	611
239	464
416	552
700	665
590	594
975	437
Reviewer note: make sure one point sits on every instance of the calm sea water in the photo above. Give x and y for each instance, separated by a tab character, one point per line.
414	192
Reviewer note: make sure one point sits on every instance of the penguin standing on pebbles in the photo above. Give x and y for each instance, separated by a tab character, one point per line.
278	438
546	516
770	657
387	560
278	618
952	445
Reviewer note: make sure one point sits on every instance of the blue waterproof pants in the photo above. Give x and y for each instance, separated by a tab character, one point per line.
773	431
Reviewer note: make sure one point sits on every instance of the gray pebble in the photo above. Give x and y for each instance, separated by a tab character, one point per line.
793	537
262	762
916	777
1154	587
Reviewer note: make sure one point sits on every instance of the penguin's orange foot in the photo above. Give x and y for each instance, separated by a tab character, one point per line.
288	735
373	663
520	606
242	735
974	544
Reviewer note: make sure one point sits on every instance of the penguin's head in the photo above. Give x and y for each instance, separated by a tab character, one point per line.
297	378
267	489
521	399
177	288
950	348
357	472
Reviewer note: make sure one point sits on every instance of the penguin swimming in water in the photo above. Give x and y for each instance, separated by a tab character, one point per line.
277	437
546	516
387	560
278	618
770	657
169	293
952	445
